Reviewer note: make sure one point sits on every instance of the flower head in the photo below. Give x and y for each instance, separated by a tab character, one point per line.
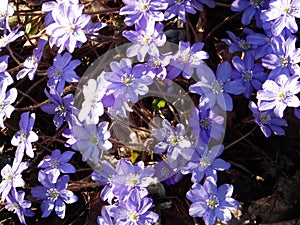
12	36
179	8
6	99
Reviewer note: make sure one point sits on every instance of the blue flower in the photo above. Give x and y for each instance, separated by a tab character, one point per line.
205	161
156	66
267	121
12	36
186	60
62	71
6	99
211	202
25	136
4	75
282	14
198	4
143	11
179	8
57	163
251	74
279	94
217	88
263	43
54	196
16	204
6	10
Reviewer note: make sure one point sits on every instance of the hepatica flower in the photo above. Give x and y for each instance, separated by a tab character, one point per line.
279	94
263	43
56	163
172	141
67	31
205	162
179	8
284	59
198	4
217	88
6	10
12	177
146	39
62	71
134	210
23	138
282	14
142	11
61	107
31	63
54	195
156	66
211	202
6	99
4	75
186	60
91	140
250	73
16	204
267	121
11	37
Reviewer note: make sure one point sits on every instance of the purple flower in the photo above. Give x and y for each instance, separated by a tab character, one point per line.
6	10
16	204
156	66
263	43
284	59
25	136
12	177
91	140
11	37
134	210
67	31
142	11
131	177
127	82
279	94
250	73
251	8
186	60
179	8
57	163
146	39
207	122
31	63
6	99
54	196
105	218
282	14
61	107
62	71
267	121
211	202
217	89
205	161
198	4
172	140
4	75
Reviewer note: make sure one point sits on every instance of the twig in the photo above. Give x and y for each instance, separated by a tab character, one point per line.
240	139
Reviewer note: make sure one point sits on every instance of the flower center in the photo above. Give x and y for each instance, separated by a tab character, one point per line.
256	3
287	10
9	177
94	140
179	2
285	96
156	64
204	162
54	163
185	56
174	140
147	39
247	75
212	202
134	217
52	194
72	27
4	41
132	180
23	135
264	118
244	44
283	62
217	87
144	7
205	123
127	79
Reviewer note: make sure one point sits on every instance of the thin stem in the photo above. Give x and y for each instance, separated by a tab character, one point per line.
240	139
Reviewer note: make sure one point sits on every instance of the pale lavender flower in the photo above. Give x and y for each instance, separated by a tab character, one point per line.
172	140
91	140
105	218
67	31
31	63
6	99
217	88
56	163
211	202
142	11
4	75
12	177
250	73
61	107
134	210
179	8
279	94
205	162
11	37
16	204
285	57
282	14
267	121
6	10
62	71
23	139
186	60
146	39
54	196
156	66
